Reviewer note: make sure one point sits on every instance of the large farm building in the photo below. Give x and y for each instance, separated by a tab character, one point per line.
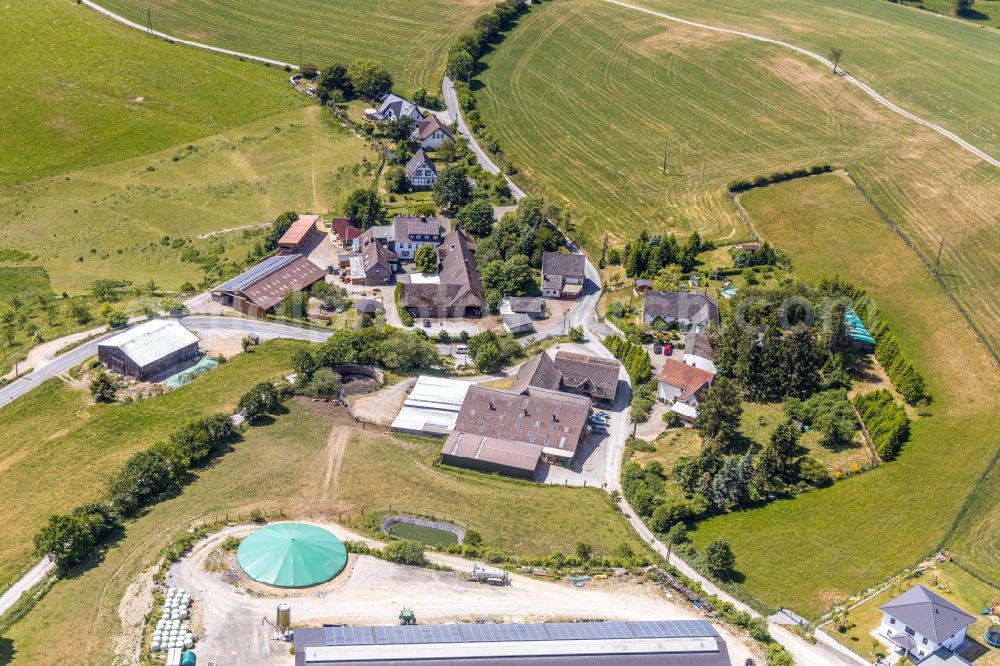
148	349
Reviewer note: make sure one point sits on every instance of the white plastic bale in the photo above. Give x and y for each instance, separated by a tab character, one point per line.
184	614
188	643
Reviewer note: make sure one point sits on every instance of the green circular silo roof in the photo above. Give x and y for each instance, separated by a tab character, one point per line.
292	555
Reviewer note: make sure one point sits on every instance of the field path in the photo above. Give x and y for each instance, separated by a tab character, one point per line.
815	56
335	447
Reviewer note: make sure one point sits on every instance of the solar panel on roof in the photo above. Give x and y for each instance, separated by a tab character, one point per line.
258	272
483	633
349	636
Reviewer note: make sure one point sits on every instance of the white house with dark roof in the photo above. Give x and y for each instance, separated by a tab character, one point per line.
394	107
685	308
431	132
562	274
409	233
421	171
919	623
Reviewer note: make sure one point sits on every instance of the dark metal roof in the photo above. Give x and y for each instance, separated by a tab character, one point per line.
663	643
539	371
492	450
928	613
560	263
698	344
268	282
526	304
596	376
258	272
695	308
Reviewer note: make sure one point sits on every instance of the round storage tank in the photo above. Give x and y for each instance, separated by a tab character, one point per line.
292	555
284	619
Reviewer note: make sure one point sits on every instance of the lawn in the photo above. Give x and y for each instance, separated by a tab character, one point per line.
811	551
109	220
955	585
930	65
583	95
81	90
411	38
58	447
516	516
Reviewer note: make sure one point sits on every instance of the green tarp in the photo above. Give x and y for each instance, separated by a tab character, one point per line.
292	555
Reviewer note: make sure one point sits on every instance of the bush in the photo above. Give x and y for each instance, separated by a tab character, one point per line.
813	472
719	557
104	386
260	400
405	552
230	543
886	422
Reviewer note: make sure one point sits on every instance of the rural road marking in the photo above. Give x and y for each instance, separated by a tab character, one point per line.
815	56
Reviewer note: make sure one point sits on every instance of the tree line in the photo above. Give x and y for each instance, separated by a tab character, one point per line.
886	422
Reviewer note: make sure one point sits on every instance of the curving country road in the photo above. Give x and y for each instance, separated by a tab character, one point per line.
895	108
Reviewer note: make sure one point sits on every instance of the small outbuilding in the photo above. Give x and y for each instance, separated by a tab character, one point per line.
299	235
148	349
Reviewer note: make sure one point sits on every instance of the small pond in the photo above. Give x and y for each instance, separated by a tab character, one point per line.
431	536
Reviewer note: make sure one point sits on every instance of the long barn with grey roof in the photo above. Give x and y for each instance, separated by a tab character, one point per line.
646	643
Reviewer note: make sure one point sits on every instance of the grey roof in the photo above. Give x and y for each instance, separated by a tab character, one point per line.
696	308
518	455
394	106
560	263
644	283
515	320
431	124
149	342
368	306
593	375
698	344
526	304
928	613
539	371
404	226
419	157
944	657
667	643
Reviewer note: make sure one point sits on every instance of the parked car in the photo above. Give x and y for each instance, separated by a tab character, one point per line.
601	420
427	323
657	348
668	349
462	349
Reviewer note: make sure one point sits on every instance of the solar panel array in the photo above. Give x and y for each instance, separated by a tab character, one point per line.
258	272
492	633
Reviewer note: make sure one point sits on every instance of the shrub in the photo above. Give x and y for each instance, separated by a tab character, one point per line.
405	552
813	472
886	422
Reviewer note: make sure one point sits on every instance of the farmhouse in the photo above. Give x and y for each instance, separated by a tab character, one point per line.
562	274
421	171
503	423
687	309
592	376
394	107
681	385
148	349
373	264
342	232
666	643
459	291
431	133
409	233
698	351
256	291
431	407
298	235
920	623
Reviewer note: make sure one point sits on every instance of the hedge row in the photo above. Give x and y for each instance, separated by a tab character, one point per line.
633	357
777	177
885	420
904	377
76	536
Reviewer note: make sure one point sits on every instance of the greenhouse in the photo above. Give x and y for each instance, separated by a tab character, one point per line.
292	555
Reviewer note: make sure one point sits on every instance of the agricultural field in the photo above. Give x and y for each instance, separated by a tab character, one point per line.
58	422
82	90
410	38
141	218
831	543
933	66
728	109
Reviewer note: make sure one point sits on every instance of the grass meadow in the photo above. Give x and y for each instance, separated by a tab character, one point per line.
934	66
411	38
81	90
822	546
107	221
583	95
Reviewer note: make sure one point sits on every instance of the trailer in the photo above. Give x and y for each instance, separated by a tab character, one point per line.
481	574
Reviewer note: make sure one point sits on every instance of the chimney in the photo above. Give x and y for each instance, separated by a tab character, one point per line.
492	406
555	418
525	411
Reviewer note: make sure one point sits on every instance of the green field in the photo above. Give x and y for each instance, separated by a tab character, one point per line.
81	90
583	95
57	423
933	66
811	551
410	37
107	221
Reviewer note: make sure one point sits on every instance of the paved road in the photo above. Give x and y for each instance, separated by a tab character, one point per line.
28	581
865	88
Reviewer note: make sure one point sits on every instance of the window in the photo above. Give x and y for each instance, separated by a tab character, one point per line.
892	620
910	631
924	641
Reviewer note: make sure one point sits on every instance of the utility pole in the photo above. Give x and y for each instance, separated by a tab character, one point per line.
300	56
149	21
604	250
937	262
664	157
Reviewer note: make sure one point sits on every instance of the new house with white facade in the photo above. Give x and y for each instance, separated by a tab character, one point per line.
920	623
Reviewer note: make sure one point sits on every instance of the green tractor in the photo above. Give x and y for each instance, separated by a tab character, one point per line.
406	616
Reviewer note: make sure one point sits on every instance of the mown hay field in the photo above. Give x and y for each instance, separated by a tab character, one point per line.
108	221
584	96
410	37
940	68
811	551
81	90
